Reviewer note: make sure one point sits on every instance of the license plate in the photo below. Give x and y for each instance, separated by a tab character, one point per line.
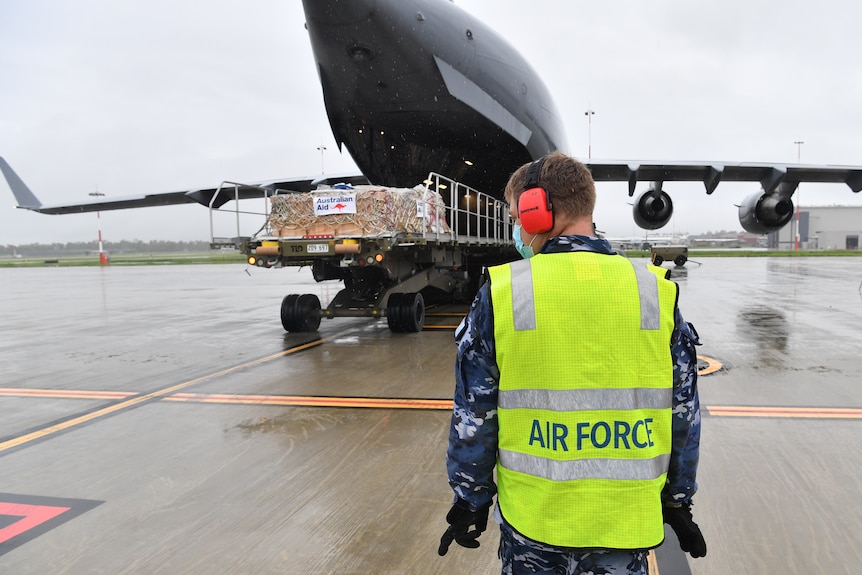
317	248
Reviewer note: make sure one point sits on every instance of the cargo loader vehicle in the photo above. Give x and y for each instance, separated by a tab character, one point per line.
393	248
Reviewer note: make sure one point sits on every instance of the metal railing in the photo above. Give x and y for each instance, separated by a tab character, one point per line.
470	216
469	212
235	187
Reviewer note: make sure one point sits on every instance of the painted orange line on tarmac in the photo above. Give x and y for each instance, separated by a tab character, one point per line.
315	401
790	412
64	393
652	563
137	400
169	394
446	404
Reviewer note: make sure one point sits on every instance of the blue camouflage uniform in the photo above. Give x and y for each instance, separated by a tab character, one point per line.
472	453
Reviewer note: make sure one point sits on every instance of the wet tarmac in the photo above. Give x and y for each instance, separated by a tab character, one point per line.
159	420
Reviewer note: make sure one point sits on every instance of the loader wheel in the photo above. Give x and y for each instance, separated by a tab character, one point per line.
300	313
405	312
308	309
657	260
393	312
287	315
413	312
680	260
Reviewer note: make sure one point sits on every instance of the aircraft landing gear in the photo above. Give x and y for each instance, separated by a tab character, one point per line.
300	313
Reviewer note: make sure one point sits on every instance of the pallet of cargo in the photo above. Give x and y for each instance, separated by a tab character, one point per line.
392	247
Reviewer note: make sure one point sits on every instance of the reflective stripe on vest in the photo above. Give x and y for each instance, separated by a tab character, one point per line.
619	469
524	304
585	398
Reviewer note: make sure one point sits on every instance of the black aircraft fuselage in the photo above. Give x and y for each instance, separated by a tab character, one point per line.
414	86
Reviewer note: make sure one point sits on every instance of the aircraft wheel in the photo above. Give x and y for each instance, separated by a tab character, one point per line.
657	260
680	260
300	313
413	312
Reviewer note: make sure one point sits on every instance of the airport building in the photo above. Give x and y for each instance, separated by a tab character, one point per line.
821	228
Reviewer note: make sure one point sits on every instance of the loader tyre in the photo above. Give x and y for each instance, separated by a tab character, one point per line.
680	260
300	313
413	312
657	260
393	312
405	312
287	314
308	312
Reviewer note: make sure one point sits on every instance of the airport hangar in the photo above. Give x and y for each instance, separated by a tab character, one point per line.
821	228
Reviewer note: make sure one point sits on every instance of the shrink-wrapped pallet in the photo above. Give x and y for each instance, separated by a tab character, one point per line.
359	211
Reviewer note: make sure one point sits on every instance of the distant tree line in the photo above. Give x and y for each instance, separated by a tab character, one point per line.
123	246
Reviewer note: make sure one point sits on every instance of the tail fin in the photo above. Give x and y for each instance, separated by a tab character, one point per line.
25	198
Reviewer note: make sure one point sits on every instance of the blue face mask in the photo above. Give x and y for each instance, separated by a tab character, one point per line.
526	251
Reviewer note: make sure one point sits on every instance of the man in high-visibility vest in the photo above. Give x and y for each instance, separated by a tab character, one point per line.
576	382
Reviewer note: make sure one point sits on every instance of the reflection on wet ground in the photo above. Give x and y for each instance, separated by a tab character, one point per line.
678	274
768	331
298	423
766	326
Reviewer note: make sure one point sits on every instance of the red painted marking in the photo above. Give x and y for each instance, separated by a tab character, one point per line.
31	516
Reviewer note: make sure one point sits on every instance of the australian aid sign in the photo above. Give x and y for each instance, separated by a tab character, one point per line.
329	204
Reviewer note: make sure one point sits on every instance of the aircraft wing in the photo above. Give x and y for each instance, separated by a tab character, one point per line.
208	197
773	177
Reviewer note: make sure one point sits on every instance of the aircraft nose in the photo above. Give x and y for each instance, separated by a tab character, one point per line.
337	12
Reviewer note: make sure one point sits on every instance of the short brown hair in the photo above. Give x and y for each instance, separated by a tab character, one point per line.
568	183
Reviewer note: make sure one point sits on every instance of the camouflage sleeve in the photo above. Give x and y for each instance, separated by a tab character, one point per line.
685	451
472	452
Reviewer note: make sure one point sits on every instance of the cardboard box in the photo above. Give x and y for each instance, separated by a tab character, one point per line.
358	212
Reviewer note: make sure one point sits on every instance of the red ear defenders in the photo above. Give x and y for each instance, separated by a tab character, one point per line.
534	206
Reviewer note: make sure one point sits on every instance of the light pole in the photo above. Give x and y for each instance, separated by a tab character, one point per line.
798	160
589	114
322	149
103	259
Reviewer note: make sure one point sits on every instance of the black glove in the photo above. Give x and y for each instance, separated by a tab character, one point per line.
689	535
460	518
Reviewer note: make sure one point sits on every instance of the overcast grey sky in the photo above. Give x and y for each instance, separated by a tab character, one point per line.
161	95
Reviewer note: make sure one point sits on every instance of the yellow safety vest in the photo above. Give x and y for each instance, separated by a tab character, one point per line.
586	389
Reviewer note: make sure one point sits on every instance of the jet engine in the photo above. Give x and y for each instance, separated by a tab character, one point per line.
652	209
762	212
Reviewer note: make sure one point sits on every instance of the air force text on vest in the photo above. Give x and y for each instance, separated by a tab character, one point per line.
601	434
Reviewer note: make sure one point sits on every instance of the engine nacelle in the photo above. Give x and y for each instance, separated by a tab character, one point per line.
652	209
762	213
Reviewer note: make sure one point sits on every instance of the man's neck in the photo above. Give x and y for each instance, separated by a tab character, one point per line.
580	227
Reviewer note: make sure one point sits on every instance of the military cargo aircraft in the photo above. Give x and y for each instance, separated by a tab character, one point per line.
412	87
